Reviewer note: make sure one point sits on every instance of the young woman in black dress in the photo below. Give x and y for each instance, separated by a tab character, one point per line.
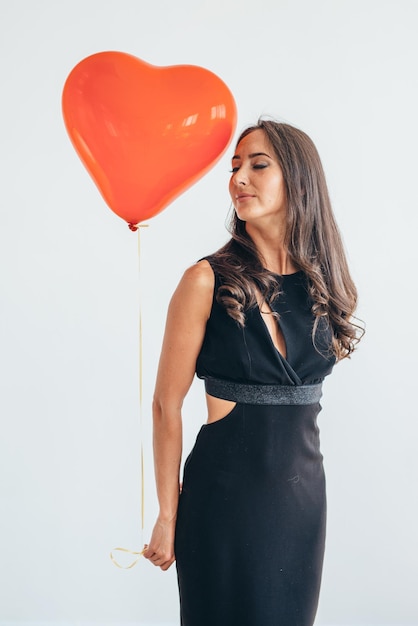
262	321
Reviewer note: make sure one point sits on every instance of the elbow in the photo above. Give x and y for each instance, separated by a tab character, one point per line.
165	409
157	409
167	422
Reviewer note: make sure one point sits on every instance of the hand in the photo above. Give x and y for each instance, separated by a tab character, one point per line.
160	550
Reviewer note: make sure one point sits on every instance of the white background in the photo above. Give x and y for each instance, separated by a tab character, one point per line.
346	73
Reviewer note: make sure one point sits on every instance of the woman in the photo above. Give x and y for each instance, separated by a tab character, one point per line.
262	321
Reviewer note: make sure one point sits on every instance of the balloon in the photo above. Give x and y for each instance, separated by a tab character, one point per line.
145	133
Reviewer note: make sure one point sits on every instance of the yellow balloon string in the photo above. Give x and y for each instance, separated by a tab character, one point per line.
132	552
137	554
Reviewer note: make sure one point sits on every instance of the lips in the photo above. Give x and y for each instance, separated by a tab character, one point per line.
243	196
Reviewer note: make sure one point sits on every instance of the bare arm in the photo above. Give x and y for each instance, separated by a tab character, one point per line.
185	328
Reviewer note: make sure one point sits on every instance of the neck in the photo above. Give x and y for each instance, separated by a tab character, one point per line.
272	249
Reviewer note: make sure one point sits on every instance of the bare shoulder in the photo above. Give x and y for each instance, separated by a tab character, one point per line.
194	292
200	276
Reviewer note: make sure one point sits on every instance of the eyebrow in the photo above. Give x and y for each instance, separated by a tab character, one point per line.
252	155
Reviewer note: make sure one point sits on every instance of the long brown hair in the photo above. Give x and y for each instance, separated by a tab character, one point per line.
312	238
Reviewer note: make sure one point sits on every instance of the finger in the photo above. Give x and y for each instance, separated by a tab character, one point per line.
148	553
157	562
161	559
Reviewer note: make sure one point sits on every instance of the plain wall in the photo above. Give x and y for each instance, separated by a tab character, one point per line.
346	73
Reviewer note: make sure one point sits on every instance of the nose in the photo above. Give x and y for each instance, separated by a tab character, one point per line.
240	177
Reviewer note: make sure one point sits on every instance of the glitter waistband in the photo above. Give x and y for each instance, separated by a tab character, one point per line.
263	394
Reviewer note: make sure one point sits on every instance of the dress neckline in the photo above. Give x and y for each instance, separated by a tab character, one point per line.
297	273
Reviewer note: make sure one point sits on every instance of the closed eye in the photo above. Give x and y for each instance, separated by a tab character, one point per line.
256	166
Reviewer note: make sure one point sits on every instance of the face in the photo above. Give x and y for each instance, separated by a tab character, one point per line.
257	186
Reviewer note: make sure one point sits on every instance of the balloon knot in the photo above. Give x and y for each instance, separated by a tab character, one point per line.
133	227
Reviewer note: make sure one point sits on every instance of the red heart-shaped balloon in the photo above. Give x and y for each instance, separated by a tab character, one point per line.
145	133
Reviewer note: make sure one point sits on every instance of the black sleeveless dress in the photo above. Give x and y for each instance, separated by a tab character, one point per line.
250	531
